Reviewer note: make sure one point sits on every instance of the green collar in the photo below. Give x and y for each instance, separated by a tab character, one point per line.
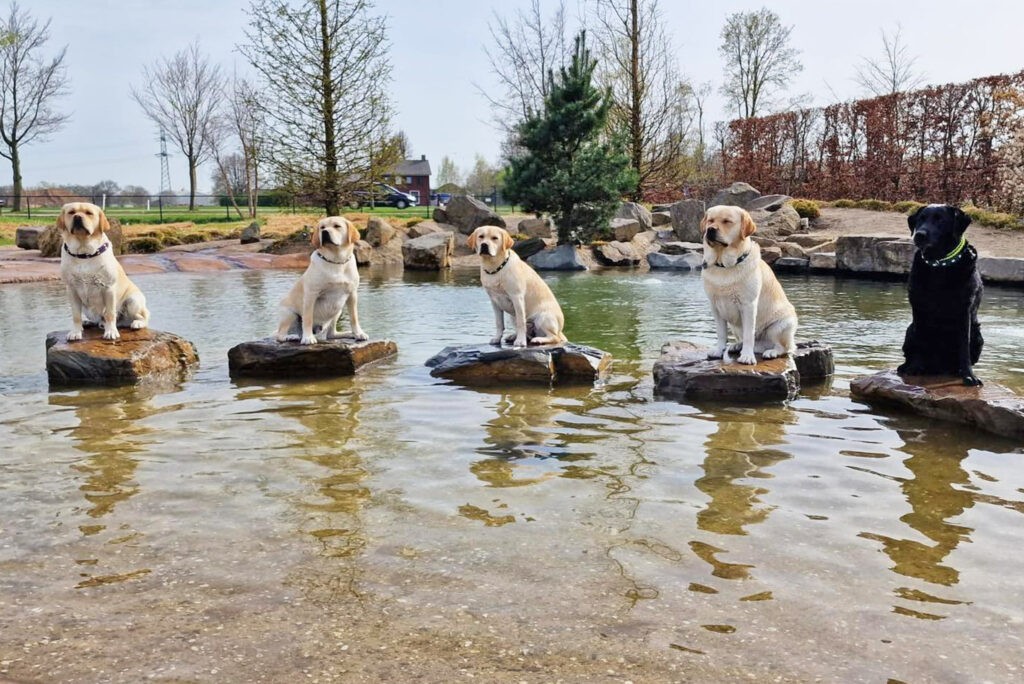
952	257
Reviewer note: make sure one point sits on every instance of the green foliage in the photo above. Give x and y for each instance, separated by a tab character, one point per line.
170	240
142	245
192	238
907	207
807	209
873	205
994	219
571	168
844	204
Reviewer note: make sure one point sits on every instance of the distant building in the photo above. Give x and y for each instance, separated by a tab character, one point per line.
412	176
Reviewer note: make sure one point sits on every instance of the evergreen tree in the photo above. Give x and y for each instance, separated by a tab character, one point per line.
569	166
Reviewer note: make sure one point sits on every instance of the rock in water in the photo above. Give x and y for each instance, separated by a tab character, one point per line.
813	361
990	407
139	356
490	364
685	372
268	358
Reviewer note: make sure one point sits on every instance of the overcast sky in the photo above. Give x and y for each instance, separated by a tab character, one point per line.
437	50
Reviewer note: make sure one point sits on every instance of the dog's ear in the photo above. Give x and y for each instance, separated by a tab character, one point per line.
508	240
104	224
747	223
703	223
471	242
961	219
353	232
315	237
914	219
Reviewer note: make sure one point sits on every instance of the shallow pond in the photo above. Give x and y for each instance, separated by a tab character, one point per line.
391	526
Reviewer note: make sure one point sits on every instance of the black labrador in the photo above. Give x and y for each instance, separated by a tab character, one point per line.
945	289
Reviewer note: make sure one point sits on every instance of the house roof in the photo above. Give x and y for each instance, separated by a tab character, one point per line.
412	167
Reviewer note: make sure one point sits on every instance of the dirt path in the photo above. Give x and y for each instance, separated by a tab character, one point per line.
988	241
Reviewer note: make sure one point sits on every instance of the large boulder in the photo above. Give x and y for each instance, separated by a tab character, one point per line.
527	248
50	241
689	261
432	252
874	254
635	212
767	203
268	358
535	227
467	214
616	254
561	258
1004	270
676	247
686	216
822	261
779	223
27	237
491	364
623	229
250	234
989	407
684	372
808	241
363	252
736	195
427	227
378	232
660	218
138	357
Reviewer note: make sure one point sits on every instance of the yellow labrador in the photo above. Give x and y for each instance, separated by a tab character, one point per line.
746	298
331	281
516	289
98	289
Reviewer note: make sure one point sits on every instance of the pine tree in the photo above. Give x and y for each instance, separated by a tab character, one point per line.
570	166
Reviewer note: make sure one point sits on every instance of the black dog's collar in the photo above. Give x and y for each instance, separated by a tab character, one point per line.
101	250
503	263
721	265
959	253
331	261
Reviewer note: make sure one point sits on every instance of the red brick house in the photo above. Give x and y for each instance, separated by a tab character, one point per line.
412	176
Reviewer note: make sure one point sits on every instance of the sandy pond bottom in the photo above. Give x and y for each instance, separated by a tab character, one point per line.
392	527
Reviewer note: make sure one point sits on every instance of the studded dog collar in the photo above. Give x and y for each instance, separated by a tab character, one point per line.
332	261
503	263
103	248
721	265
956	255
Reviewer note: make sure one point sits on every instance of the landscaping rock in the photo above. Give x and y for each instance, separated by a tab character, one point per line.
50	241
737	195
770	255
431	252
616	254
813	361
527	248
676	247
764	241
428	227
27	237
767	203
1002	270
635	212
822	261
363	253
990	407
378	231
791	264
535	227
624	229
688	261
561	258
250	234
139	356
268	358
467	214
660	218
490	364
781	223
790	249
684	372
686	216
874	254
807	240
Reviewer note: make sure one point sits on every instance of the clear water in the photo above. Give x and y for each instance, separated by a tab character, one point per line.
391	526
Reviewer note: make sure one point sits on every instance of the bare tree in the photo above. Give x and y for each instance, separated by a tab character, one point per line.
894	72
449	173
651	105
241	122
29	86
182	96
326	73
758	59
524	49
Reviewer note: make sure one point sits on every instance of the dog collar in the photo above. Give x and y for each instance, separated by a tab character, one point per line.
954	256
331	261
721	265
499	268
101	250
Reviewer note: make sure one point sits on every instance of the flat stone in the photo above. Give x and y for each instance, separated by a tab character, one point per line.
27	237
684	371
334	358
139	356
991	407
677	247
791	264
822	261
490	364
809	240
767	203
874	254
689	261
1003	270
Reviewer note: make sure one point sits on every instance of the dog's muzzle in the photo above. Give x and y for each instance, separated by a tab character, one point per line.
77	225
325	238
485	249
920	239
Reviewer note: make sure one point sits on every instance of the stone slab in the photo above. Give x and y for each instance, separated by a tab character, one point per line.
268	358
1001	270
690	261
139	356
27	237
991	407
813	361
491	364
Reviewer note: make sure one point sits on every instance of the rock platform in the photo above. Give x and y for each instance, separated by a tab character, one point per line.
268	358
138	357
991	407
491	364
685	372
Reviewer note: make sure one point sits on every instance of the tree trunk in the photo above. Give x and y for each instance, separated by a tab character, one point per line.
192	184
332	193
635	132
16	173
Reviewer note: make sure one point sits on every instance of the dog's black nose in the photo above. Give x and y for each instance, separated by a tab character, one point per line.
920	238
325	237
485	249
711	234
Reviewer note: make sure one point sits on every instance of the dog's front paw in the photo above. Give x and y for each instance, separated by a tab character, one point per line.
111	333
735	347
496	341
360	335
308	339
75	335
971	380
519	342
773	353
138	325
716	353
747	358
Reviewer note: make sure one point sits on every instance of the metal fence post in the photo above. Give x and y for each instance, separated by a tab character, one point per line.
28	206
161	203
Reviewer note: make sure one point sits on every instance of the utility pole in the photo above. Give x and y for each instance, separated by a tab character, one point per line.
165	169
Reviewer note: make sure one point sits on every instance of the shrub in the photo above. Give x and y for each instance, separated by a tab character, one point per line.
844	204
413	221
170	240
807	209
192	238
908	207
992	218
873	205
142	245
